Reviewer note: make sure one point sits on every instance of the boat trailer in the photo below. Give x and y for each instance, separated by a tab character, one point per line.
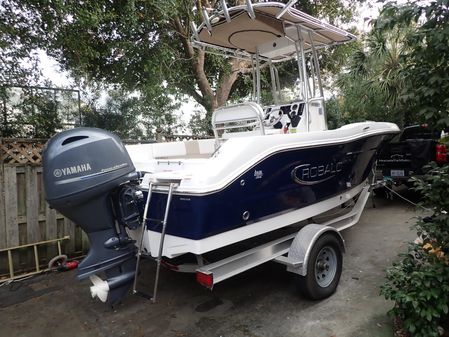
314	252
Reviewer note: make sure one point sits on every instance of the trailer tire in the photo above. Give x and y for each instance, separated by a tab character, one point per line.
380	192
323	268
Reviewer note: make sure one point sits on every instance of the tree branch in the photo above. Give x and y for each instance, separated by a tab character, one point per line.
227	80
197	62
189	90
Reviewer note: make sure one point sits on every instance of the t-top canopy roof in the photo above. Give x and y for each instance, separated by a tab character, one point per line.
271	28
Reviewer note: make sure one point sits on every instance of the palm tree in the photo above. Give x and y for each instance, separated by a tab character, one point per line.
374	81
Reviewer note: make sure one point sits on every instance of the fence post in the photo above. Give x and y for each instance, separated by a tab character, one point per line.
10	189
159	135
2	199
32	205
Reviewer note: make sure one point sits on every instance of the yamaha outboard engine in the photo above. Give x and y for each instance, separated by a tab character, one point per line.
90	179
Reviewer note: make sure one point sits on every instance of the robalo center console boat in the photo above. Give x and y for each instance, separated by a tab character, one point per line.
268	167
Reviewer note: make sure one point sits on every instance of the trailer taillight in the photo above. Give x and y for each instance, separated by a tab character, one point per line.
204	279
441	156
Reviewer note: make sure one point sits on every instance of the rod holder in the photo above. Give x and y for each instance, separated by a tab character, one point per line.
224	6
207	20
194	30
250	9
285	9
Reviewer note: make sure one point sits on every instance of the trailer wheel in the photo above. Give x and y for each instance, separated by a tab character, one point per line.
323	268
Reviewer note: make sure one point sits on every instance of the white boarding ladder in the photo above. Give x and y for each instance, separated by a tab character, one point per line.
171	183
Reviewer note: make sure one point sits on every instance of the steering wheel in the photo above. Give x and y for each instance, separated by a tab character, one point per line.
273	117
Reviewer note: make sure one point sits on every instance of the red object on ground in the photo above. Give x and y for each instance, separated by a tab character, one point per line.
71	265
68	266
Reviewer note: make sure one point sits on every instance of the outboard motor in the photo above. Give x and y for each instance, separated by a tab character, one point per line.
90	179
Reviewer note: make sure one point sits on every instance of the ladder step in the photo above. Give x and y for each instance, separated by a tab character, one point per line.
155	220
143	294
145	256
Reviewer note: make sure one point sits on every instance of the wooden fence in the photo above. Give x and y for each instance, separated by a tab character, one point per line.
25	217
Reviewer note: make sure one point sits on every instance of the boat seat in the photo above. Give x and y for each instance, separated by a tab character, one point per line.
141	152
190	149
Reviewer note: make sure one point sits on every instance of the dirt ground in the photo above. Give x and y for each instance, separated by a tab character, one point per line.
260	302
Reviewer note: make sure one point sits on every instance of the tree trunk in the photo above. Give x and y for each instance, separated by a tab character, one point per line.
228	80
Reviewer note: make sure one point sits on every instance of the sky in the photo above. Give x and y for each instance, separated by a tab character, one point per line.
51	70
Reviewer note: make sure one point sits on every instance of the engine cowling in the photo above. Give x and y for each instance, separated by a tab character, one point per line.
90	178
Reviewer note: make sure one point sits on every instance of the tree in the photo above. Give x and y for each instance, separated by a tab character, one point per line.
18	43
333	113
419	282
426	85
130	116
29	113
146	46
373	85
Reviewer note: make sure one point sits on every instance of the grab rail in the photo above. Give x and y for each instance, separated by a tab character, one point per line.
243	115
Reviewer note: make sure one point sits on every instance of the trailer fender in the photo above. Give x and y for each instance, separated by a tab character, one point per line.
299	253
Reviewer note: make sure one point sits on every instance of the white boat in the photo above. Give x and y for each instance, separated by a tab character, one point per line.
267	167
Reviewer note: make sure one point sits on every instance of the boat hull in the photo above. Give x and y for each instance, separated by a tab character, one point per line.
175	245
284	181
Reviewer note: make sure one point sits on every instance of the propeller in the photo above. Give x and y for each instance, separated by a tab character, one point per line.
100	288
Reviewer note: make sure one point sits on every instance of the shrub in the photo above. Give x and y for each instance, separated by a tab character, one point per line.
419	282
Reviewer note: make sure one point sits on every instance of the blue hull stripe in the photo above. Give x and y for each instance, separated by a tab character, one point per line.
284	181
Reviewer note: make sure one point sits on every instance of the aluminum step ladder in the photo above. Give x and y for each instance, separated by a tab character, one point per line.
171	184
